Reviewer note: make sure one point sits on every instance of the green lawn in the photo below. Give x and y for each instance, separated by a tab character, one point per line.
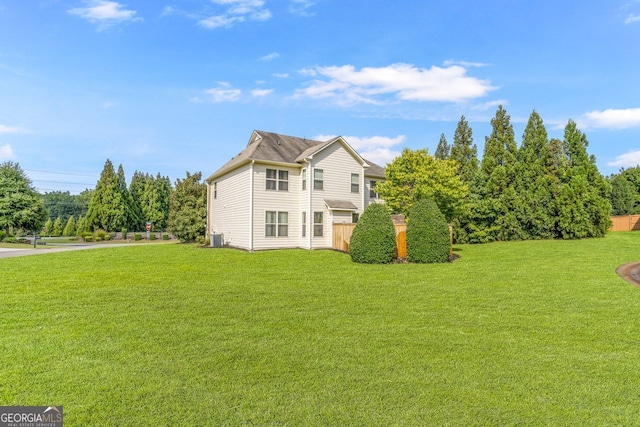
524	333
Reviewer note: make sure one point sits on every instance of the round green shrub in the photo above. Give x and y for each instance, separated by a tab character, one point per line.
137	237
374	238
427	233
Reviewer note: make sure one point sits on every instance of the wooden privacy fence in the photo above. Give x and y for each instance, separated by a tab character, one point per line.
342	237
625	223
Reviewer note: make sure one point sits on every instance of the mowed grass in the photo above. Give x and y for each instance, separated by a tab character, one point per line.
523	333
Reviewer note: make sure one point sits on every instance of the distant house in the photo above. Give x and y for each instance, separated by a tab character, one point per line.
286	192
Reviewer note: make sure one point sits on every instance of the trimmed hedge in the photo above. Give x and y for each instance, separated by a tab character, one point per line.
427	233
374	238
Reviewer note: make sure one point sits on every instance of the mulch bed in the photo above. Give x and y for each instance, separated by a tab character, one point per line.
630	272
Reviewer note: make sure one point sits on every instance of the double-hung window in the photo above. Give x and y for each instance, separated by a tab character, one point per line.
283	181
372	190
276	224
355	183
304	224
272	179
318	179
304	179
317	224
277	180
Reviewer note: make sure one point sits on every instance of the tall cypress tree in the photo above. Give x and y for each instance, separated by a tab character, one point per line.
107	209
499	169
136	188
531	183
464	151
585	193
131	216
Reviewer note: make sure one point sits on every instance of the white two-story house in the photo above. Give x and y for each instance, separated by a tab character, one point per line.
286	192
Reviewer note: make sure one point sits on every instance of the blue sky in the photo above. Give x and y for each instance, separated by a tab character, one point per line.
180	85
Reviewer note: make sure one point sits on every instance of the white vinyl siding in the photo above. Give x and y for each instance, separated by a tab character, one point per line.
229	210
337	165
278	201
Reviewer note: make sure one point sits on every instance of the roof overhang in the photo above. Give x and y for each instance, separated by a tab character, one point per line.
340	205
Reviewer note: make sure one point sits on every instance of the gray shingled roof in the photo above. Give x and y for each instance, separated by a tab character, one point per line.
340	205
277	148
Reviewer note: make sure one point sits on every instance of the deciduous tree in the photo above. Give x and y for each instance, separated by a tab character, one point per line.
415	175
21	207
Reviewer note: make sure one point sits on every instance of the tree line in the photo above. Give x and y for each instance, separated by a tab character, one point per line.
542	189
112	206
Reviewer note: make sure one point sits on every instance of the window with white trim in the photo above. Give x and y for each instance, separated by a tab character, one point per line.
304	224
372	190
272	179
277	180
318	179
317	224
215	190
355	217
304	179
355	183
276	224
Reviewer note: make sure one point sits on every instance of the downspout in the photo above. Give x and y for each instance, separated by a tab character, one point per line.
364	190
251	206
208	222
310	215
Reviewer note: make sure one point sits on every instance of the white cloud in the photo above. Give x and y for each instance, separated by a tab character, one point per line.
105	13
301	7
396	82
626	160
6	152
237	11
282	75
220	21
612	119
270	56
261	92
374	148
8	129
466	64
224	93
632	18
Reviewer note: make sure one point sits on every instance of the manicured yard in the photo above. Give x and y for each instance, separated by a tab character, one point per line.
540	333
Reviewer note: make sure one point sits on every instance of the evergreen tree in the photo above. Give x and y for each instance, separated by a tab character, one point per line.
464	152
21	207
107	209
136	188
374	238
443	150
56	231
132	218
48	227
500	147
632	176
499	170
155	201
81	225
623	196
188	210
427	234
585	206
70	227
531	176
